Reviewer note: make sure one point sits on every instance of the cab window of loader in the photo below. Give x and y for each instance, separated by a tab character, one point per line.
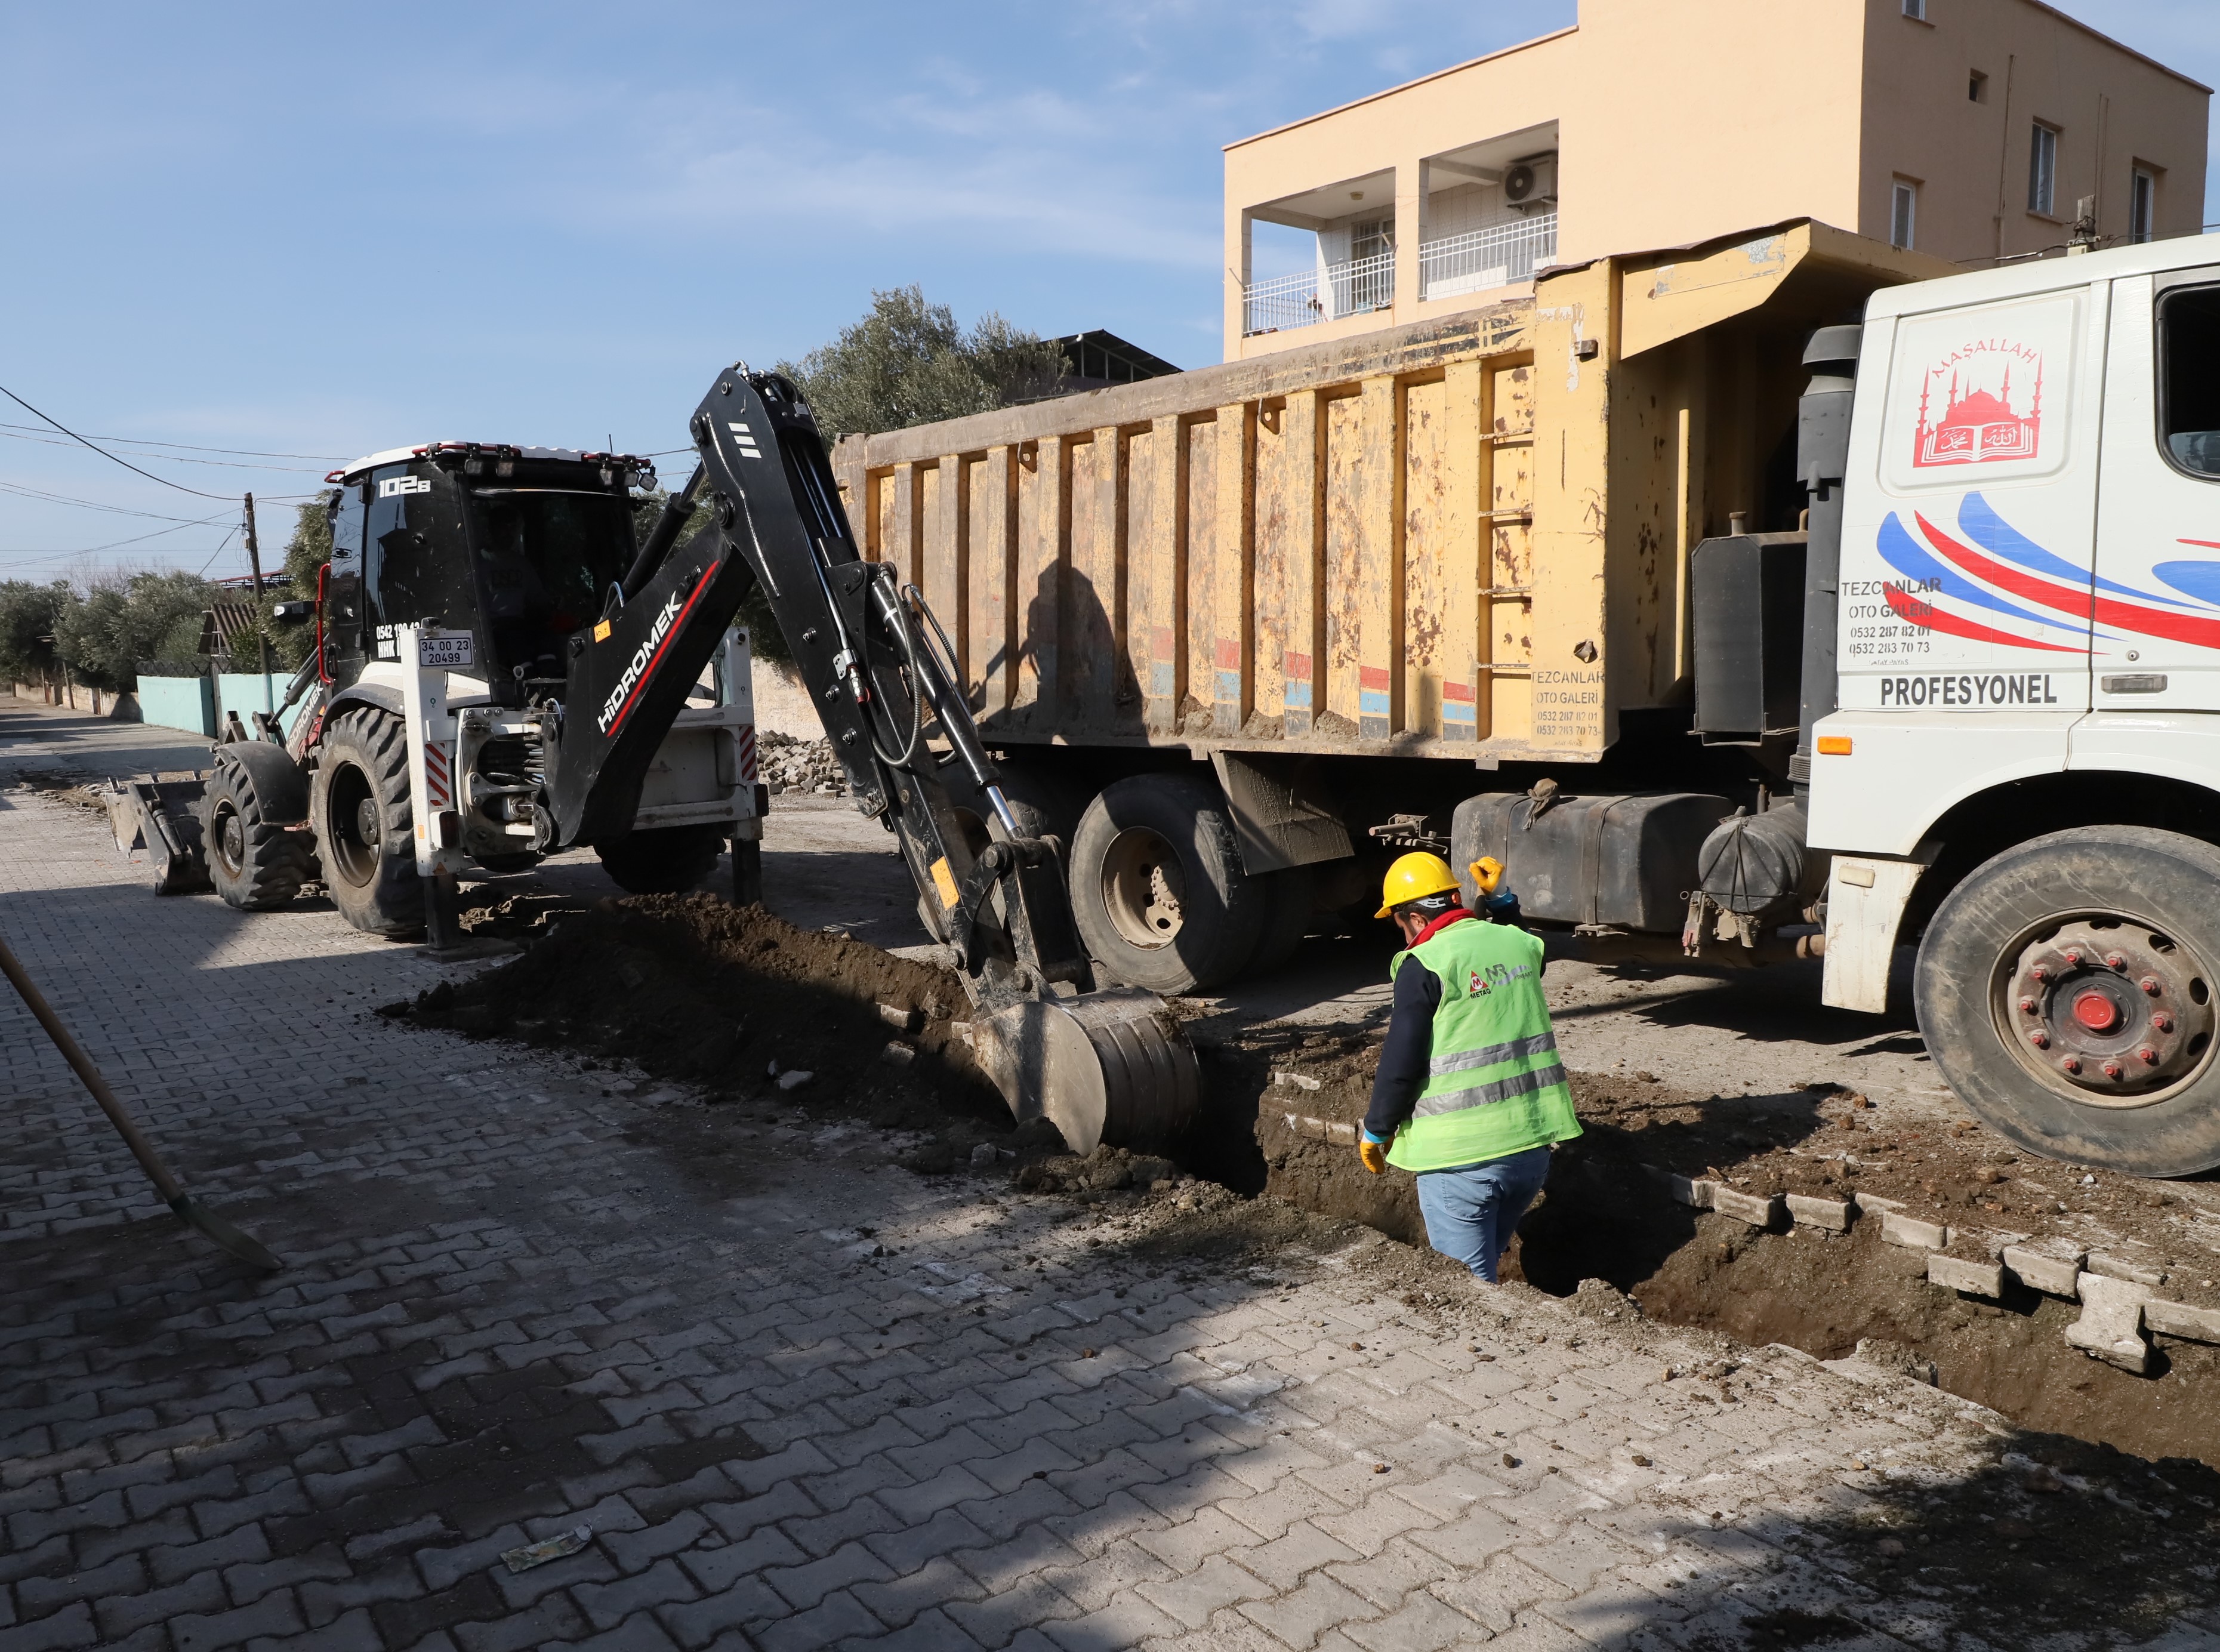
547	560
2189	379
400	562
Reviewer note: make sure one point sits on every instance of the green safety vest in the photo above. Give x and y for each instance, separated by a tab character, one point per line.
1494	1084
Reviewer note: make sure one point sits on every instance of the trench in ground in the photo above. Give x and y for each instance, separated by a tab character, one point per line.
657	980
1604	1215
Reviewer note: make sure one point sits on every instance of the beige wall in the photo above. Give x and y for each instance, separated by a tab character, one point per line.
1678	121
2113	110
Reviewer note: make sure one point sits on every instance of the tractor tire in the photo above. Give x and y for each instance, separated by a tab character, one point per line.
365	827
256	860
667	860
1157	885
2067	991
1287	898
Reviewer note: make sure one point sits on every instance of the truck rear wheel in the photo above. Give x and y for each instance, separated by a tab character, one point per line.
365	827
1157	889
254	863
2067	991
667	860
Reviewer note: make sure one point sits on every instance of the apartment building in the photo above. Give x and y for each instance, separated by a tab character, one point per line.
1971	130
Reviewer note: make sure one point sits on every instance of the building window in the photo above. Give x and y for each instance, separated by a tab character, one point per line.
2142	205
1903	214
2043	171
1916	9
1977	87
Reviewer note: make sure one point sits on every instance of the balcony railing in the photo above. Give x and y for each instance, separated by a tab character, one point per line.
1353	287
1494	257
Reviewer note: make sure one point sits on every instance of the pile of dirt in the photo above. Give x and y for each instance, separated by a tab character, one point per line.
734	998
791	764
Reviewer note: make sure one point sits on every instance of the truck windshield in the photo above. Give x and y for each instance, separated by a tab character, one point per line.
547	558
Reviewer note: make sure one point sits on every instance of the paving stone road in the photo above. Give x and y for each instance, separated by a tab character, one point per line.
798	1397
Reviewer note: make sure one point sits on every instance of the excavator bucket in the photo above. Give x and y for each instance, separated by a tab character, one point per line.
1109	1066
156	814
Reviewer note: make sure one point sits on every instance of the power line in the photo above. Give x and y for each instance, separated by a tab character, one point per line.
218	552
89	504
236	452
17	436
103	452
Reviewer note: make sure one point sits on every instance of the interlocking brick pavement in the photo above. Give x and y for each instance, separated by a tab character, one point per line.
508	1312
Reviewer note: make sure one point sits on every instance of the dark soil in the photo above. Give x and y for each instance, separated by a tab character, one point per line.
1604	1216
732	999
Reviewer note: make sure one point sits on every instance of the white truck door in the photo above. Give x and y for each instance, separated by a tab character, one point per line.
2157	598
1965	570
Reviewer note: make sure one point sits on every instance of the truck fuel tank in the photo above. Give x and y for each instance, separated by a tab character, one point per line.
1624	860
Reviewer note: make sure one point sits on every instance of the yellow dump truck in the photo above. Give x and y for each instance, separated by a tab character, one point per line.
1350	575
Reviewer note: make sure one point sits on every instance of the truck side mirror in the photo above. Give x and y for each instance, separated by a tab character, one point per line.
293	613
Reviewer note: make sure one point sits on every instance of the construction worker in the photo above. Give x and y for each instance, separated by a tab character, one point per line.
1470	1095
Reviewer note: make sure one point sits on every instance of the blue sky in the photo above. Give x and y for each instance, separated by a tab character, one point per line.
316	231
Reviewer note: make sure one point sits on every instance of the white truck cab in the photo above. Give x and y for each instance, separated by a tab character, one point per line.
2024	764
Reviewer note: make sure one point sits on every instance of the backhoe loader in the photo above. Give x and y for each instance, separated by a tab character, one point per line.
501	672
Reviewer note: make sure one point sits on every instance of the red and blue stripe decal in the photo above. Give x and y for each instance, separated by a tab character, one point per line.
1989	566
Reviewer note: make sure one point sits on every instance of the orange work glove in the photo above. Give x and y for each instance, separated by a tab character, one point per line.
1374	1154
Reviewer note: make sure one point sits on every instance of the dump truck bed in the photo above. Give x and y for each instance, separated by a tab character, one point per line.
1462	539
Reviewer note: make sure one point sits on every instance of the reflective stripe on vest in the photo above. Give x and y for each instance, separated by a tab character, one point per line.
1495	1085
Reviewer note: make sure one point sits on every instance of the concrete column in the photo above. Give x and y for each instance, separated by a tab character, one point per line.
1410	232
1240	237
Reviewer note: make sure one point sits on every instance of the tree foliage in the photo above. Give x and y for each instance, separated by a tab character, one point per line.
28	613
907	362
122	619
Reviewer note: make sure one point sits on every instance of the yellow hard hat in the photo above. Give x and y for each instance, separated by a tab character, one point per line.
1411	876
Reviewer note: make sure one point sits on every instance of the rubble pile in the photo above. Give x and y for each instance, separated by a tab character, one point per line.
790	764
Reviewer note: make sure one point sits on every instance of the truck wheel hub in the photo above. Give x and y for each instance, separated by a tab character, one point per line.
1143	889
2108	1009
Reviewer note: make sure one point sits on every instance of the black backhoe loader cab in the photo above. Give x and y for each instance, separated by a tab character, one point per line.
516	549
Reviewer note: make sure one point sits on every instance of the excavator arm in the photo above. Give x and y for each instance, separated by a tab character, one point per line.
1103	1065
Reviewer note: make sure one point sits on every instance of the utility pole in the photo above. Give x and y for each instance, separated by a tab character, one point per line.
261	636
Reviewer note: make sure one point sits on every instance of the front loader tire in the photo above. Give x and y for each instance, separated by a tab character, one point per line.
2069	993
665	860
255	863
365	826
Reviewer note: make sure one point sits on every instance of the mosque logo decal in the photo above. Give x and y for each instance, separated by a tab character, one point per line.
1980	421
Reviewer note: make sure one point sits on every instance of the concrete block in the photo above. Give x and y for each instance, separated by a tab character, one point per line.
1700	1192
1833	1214
1875	1204
2052	1269
1339	1134
2110	1325
1956	1273
1678	1187
2138	1266
1758	1210
2181	1319
1912	1231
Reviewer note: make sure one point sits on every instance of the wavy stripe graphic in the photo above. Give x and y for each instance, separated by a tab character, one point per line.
2148	622
1927	617
1978	522
1916	563
2198	579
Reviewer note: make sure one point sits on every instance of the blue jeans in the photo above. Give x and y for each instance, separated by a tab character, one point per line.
1472	1211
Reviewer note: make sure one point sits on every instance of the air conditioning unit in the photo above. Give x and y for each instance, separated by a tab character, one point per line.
1531	182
